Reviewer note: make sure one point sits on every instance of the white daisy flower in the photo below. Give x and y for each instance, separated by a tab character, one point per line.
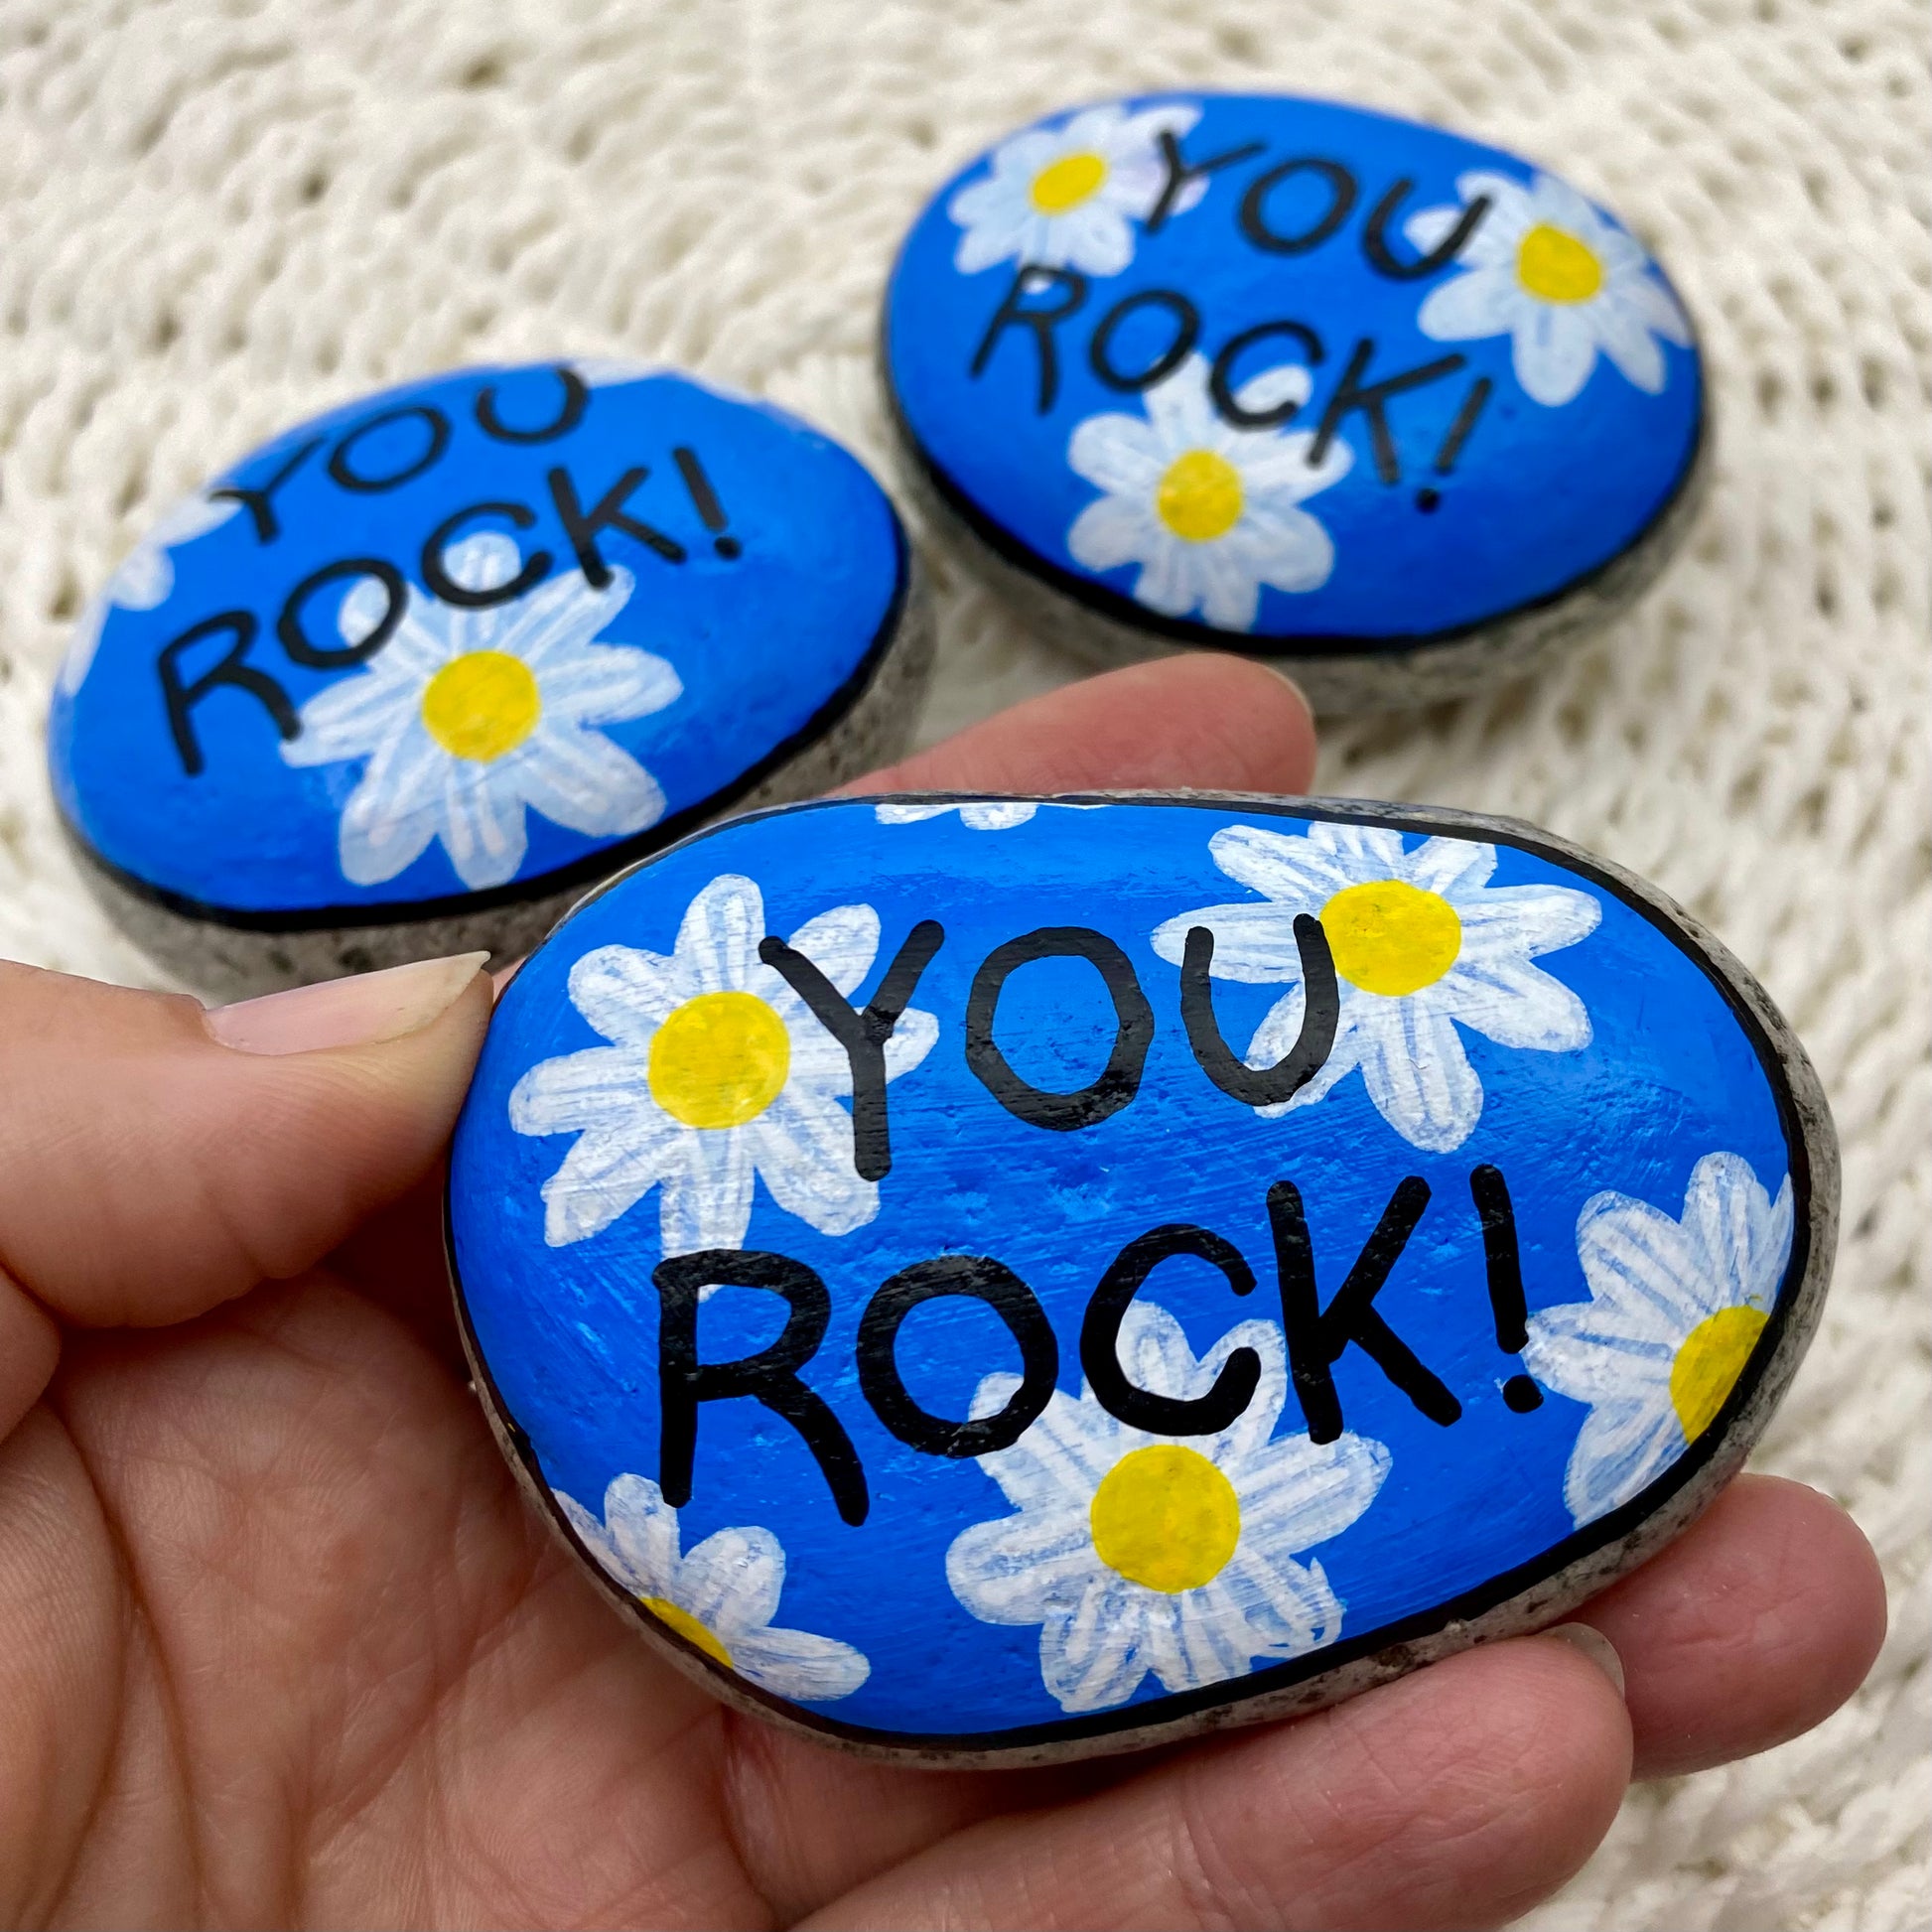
982	815
145	576
1676	1309
469	717
1422	944
1176	1555
1548	269
718	1072
720	1598
1069	197
1208	511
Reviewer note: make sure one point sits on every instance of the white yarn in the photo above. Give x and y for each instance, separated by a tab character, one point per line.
218	218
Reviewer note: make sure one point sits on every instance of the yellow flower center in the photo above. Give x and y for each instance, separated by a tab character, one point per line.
481	705
1166	1517
1200	497
1556	267
1068	182
718	1060
1391	937
1708	1364
687	1626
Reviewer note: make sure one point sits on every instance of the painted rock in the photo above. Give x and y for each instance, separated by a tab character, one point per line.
1008	1280
408	678
1291	378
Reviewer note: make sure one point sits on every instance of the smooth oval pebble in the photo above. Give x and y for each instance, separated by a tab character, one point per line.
408	678
1003	1280
1291	377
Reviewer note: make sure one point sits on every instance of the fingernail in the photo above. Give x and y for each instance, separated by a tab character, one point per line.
1595	1645
358	1012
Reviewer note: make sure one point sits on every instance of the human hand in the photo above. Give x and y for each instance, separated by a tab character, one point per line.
280	1641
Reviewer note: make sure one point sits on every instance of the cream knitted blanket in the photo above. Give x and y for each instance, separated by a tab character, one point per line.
218	216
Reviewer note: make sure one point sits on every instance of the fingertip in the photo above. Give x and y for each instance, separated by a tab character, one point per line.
1201	721
1750	1630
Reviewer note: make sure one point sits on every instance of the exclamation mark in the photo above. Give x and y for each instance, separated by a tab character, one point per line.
710	510
1458	434
1491	1195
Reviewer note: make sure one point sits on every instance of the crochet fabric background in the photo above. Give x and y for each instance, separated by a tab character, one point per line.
215	219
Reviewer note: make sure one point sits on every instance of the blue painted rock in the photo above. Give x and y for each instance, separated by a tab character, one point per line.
1287	377
1006	1280
408	678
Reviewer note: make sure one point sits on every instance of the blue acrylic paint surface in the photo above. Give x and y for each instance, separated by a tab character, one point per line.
466	636
1058	319
650	1086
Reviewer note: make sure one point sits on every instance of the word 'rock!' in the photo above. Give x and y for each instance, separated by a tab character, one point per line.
409	678
1007	1279
1400	411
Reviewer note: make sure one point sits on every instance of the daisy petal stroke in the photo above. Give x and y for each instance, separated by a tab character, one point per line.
1558	278
1072	196
1137	1553
468	718
1676	1310
1422	943
1210	513
717	1076
719	1597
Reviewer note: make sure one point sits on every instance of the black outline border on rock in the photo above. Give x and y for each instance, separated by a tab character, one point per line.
622	856
1519	1601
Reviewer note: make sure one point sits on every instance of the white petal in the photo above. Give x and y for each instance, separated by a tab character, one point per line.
1167	581
1417	1075
352	718
626	992
1290	1608
1232	594
1637	1258
1109	532
1360	852
1296	1493
1020	1569
483	826
1553	354
559	618
1475	302
394	813
1511	209
707	1201
1659	308
1182	411
802	1146
1090	1657
1117	454
1512	1003
796	1664
1524	920
577	778
1096	239
730	1583
1745	1236
1428	227
1594	1353
575	1092
1286	547
1621	1449
591	1533
1061	1457
1254	944
642	1529
1275	1037
1302	872
914	1036
841	942
1280	474
988	817
1623	337
608	1172
605	685
718	940
1451	866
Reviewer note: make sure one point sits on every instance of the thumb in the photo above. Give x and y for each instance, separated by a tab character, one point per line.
157	1160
